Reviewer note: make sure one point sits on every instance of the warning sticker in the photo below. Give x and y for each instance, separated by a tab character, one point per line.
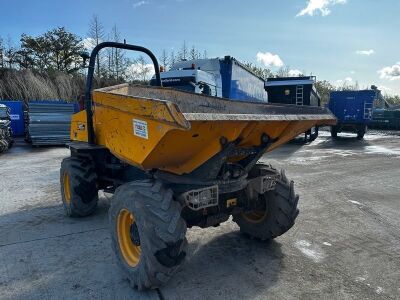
140	128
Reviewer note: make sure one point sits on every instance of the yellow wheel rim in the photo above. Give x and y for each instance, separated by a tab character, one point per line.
129	250
67	188
255	216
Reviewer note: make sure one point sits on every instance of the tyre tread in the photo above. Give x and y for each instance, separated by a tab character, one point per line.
84	190
158	218
285	210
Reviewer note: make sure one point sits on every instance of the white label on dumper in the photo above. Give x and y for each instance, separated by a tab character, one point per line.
14	117
140	128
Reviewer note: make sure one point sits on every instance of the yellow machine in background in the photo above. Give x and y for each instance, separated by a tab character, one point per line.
176	160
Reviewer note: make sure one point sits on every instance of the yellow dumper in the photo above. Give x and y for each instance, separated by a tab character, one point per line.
175	160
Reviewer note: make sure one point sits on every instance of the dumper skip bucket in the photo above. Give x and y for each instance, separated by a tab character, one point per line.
177	131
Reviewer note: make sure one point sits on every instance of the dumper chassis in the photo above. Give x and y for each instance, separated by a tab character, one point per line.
173	207
157	197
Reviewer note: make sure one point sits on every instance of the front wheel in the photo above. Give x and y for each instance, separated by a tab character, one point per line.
274	212
147	233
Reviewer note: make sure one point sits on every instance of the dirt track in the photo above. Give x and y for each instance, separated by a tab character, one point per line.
345	244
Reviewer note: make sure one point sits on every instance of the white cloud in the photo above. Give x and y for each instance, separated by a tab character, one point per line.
88	43
344	82
352	72
391	73
322	6
140	71
348	79
269	59
295	73
140	3
365	52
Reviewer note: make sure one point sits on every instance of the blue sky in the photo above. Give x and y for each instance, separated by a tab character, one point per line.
336	40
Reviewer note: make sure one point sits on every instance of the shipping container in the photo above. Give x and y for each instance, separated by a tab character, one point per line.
353	109
221	77
388	118
295	91
239	83
17	116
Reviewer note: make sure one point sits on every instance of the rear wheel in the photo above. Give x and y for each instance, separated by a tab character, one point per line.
334	132
274	212
148	233
307	136
314	134
361	132
78	182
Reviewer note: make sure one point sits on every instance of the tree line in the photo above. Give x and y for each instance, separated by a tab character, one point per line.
43	67
323	87
50	66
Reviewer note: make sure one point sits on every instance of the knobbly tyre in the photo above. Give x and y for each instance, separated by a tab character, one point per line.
174	160
6	139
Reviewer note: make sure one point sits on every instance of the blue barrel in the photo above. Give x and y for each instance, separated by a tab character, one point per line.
17	116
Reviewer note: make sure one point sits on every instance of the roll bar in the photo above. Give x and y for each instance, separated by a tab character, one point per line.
90	74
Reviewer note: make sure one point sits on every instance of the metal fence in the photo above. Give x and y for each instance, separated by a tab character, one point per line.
48	123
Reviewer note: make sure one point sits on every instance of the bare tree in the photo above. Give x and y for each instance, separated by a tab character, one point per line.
10	53
172	59
139	70
349	86
96	33
283	72
1	53
110	59
193	54
118	55
144	69
183	53
264	73
164	59
205	54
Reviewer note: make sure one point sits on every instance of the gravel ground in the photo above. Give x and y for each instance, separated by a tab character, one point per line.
345	244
